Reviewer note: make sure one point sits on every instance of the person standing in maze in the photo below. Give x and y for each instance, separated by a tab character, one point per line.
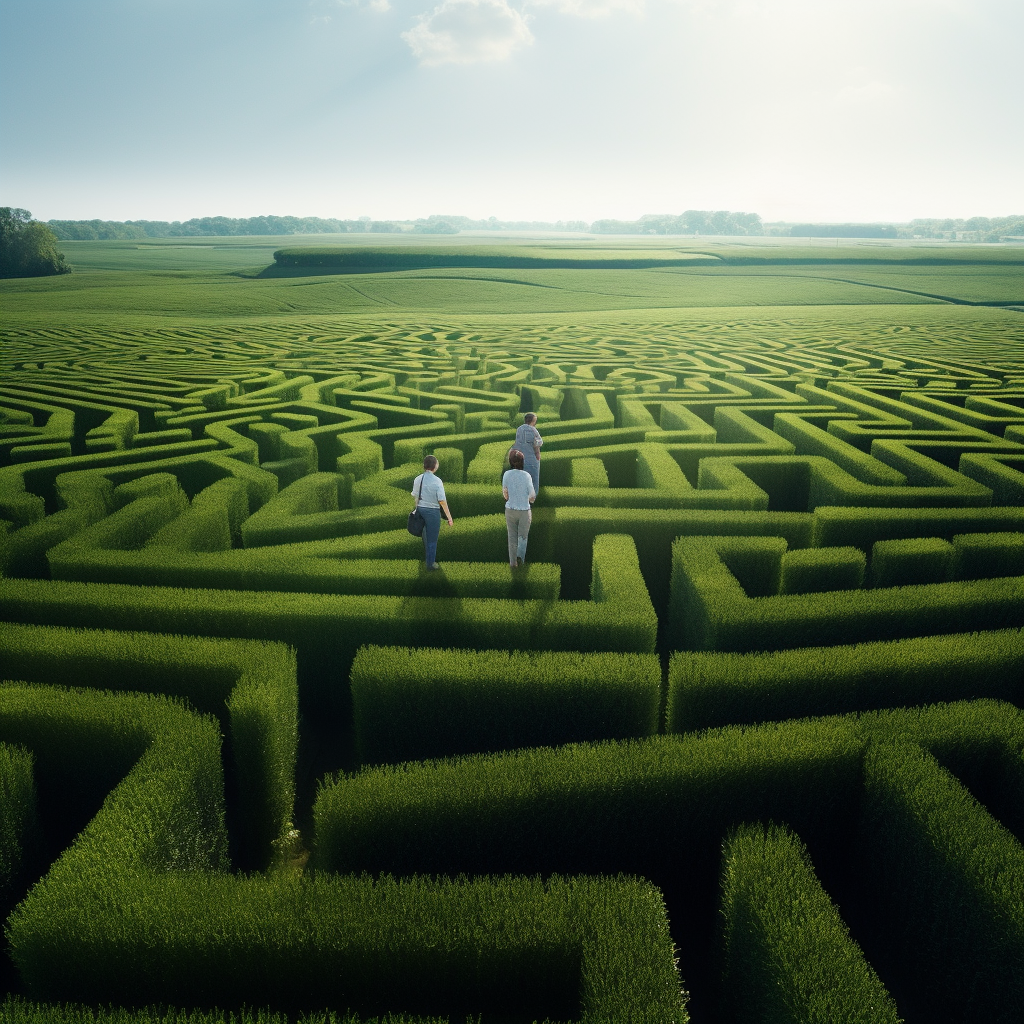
517	487
428	491
528	441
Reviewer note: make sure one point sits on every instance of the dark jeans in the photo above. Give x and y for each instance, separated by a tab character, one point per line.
432	527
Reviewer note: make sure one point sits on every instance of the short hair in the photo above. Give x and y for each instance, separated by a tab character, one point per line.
516	459
530	417
430	463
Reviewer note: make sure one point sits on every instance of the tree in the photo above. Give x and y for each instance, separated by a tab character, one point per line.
28	248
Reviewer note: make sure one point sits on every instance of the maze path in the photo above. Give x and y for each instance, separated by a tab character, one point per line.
710	491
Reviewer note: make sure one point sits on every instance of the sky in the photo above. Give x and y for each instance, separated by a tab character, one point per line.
818	110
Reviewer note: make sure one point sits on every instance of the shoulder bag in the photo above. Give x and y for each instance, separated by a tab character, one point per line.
416	520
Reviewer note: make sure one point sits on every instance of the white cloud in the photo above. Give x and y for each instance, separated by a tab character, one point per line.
468	32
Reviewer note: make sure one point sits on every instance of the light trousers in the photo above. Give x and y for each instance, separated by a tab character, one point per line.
518	522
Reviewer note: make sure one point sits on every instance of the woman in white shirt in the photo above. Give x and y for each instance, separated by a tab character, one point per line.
428	491
517	487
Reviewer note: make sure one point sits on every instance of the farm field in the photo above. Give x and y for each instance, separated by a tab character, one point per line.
741	740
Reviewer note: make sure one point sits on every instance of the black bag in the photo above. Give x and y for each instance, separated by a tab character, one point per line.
416	520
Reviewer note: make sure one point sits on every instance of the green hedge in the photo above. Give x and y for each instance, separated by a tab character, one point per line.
374	258
755	562
259	569
582	948
641	476
358	455
327	629
1002	473
661	806
328	505
595	416
16	1010
18	823
652	806
810	439
567	535
901	563
708	689
490	459
85	496
710	610
948	880
159	763
139	909
804	482
131	526
410	704
196	464
588	472
788	956
213	521
249	685
862	527
979	556
819	570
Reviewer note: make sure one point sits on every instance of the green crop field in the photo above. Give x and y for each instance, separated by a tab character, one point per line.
741	741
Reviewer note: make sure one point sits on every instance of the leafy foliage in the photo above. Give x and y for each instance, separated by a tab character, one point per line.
27	247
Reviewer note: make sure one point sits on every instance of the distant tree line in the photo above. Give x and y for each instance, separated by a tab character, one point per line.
692	222
843	231
81	230
27	247
973	229
450	224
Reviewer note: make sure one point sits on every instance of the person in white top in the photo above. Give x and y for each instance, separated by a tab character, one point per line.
517	487
428	491
528	441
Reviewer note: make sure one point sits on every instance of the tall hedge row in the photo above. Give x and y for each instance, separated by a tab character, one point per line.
326	630
711	609
949	879
17	1010
788	956
19	825
250	686
629	805
139	908
940	872
708	689
415	703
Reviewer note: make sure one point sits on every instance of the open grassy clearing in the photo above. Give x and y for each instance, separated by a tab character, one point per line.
464	291
201	278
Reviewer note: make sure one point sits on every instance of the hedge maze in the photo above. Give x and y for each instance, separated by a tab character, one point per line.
742	741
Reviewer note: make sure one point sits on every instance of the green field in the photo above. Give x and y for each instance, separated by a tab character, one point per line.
236	277
741	741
